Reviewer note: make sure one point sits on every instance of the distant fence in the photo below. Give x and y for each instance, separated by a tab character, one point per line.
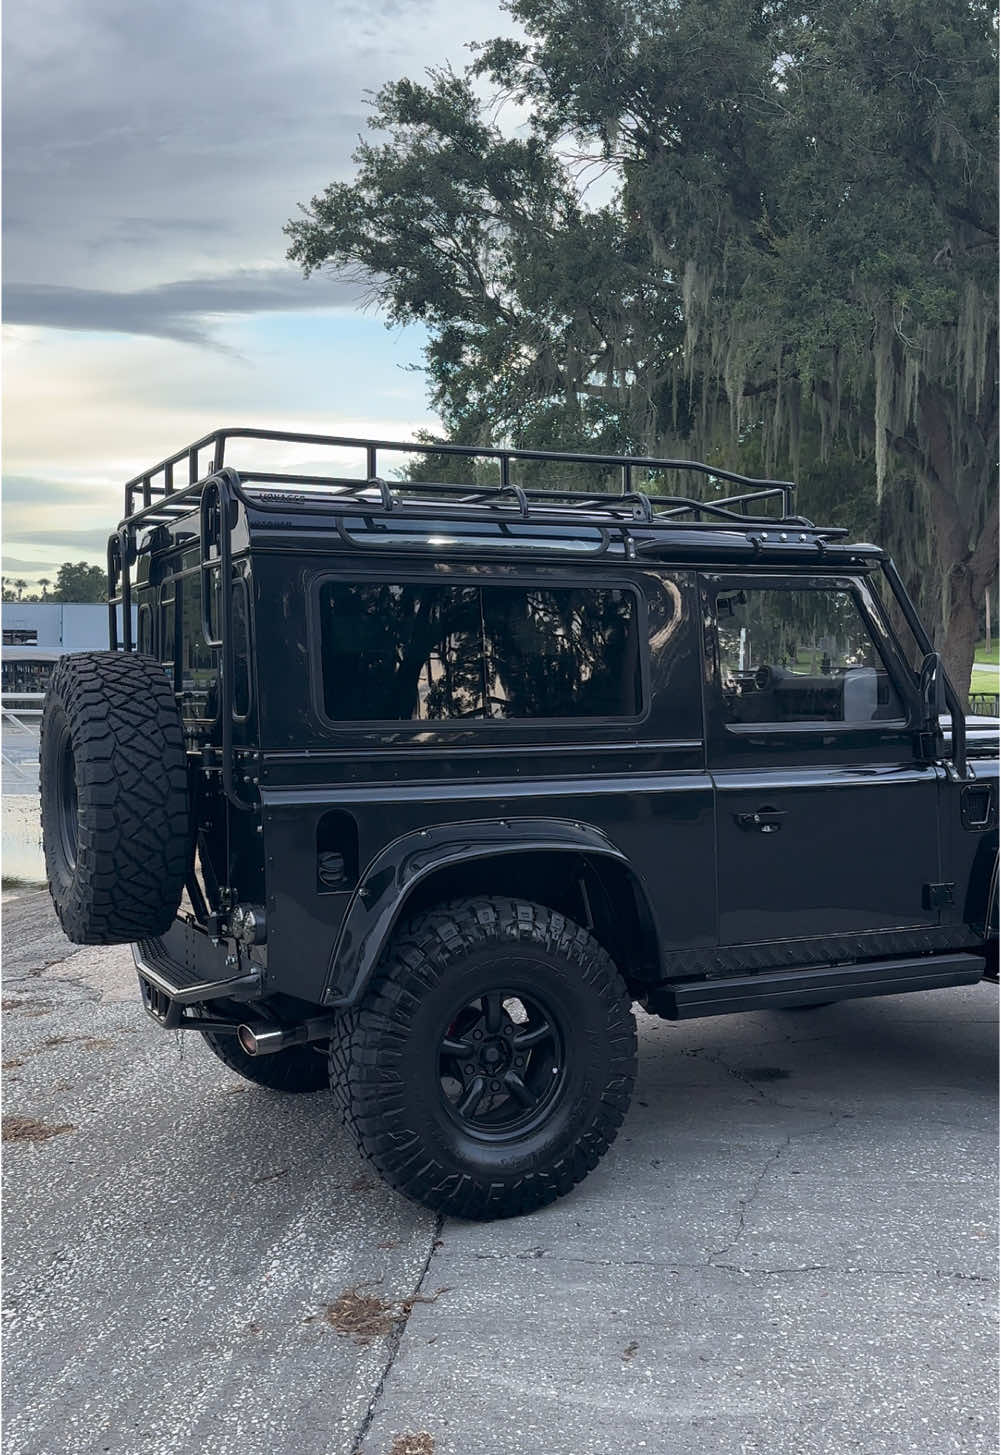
18	705
984	704
21	711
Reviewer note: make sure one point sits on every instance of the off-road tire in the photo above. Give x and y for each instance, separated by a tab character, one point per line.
114	797
297	1070
385	1071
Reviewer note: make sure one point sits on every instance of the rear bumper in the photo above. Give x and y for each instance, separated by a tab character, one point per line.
184	968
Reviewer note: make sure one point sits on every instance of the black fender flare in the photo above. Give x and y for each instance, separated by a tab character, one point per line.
389	879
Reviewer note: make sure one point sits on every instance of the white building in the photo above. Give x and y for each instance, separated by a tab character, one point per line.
37	633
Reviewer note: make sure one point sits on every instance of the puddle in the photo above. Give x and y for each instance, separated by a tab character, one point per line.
23	862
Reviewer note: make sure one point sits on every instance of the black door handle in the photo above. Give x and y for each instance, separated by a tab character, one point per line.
765	820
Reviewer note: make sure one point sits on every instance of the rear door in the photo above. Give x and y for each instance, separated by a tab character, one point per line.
826	824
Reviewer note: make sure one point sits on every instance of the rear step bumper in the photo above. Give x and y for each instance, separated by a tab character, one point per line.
167	986
775	989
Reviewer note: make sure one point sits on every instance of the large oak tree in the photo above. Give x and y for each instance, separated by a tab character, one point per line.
797	267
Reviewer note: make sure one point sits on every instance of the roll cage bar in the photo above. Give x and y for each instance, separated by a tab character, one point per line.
217	492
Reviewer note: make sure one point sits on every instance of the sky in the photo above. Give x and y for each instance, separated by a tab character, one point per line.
152	154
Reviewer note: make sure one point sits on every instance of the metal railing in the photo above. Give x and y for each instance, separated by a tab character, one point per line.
17	705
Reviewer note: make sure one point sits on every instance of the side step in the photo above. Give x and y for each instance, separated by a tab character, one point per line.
777	988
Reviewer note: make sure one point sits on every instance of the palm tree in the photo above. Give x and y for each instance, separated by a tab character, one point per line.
43	581
19	586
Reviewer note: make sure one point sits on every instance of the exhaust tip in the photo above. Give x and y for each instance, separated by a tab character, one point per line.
247	1039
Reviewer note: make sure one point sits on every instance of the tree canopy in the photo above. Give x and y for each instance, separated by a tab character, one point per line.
75	582
794	263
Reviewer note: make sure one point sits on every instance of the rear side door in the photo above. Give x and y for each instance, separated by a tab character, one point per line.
826	823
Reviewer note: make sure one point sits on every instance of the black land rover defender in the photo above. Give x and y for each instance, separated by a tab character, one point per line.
414	788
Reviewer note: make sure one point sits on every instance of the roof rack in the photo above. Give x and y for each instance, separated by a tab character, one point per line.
156	487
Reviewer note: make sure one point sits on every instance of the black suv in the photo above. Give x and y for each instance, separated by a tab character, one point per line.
414	788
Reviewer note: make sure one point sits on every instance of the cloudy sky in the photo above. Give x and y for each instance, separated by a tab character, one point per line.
152	154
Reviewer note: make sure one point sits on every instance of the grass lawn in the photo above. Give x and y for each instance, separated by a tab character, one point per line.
984	677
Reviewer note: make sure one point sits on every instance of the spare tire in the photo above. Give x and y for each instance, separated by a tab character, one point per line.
114	788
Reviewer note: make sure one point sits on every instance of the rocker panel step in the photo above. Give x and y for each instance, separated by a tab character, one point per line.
775	989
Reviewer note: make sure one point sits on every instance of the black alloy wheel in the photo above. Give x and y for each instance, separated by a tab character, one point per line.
501	1062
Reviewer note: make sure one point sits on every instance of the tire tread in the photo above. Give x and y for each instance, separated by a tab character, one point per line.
364	1051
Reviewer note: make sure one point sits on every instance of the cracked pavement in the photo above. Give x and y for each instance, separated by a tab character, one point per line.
790	1249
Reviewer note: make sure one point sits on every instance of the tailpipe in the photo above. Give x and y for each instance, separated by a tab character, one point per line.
264	1038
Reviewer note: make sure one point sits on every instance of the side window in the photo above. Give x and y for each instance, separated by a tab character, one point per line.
788	655
144	640
198	684
168	622
241	649
430	653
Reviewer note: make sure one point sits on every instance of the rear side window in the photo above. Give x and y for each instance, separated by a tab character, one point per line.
800	656
431	653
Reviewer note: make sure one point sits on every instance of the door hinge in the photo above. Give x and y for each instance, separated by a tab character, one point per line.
937	896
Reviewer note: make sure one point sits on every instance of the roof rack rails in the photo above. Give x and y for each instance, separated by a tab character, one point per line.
209	455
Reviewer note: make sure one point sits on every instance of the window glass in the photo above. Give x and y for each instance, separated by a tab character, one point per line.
199	692
168	621
145	635
241	649
429	652
800	656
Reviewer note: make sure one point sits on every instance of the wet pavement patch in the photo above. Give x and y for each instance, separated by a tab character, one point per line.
765	1073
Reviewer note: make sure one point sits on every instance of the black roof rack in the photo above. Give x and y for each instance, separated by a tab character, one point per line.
157	496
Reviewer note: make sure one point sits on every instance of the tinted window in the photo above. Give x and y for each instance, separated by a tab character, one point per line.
800	656
168	621
241	649
432	653
198	687
145	633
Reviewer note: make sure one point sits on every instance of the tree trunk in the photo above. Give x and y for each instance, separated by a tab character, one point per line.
965	548
960	642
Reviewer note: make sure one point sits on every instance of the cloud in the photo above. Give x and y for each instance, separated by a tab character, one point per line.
175	310
32	490
14	563
152	154
145	143
89	542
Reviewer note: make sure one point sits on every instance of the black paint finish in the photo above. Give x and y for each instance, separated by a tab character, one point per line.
694	846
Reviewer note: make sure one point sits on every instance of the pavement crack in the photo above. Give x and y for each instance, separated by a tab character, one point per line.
714	1059
679	1266
395	1339
745	1204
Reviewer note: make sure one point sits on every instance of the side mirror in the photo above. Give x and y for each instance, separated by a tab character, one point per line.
931	685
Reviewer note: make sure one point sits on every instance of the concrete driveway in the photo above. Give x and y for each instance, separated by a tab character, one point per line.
791	1247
